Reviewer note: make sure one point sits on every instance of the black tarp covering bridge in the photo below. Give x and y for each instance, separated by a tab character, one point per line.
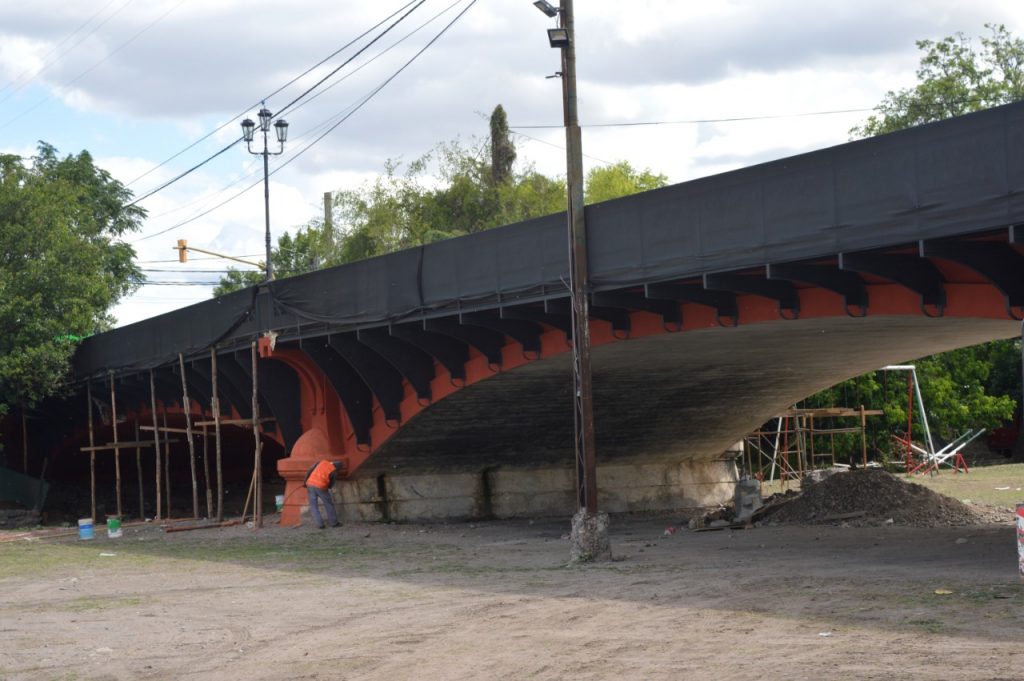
941	180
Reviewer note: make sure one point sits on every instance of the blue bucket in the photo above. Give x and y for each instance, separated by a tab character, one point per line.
85	528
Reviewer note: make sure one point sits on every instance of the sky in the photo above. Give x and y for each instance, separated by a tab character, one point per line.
152	88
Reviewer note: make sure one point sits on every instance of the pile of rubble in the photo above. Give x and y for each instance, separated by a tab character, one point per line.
874	497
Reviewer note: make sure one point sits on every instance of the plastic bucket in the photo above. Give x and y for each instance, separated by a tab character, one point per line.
113	527
85	528
279	502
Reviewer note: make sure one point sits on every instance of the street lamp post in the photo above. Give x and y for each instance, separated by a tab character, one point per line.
590	538
281	131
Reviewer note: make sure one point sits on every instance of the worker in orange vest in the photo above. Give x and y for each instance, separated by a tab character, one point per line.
319	479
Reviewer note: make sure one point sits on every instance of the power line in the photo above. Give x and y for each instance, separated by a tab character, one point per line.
695	120
380	87
180	283
289	83
81	75
192	259
279	113
376	57
185	270
352	109
559	146
345	63
194	168
55	48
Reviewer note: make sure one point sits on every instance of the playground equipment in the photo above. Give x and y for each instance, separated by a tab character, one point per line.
920	460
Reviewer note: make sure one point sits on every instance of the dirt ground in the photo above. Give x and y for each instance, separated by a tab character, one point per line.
497	600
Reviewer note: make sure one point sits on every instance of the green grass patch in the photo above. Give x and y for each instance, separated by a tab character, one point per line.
929	624
980	485
91	603
37	558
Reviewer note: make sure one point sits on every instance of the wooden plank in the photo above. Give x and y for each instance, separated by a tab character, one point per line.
169	429
119	445
187	528
830	411
844	516
234	422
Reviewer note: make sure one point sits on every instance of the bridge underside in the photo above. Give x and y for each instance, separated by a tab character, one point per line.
715	303
670	397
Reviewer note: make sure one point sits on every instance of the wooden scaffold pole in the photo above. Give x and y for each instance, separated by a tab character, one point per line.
167	464
206	474
117	450
156	444
24	439
187	406
92	452
216	434
138	467
257	514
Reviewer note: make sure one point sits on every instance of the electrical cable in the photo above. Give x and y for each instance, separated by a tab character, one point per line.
351	110
81	75
345	63
174	179
378	88
278	90
279	113
57	47
559	146
376	57
695	121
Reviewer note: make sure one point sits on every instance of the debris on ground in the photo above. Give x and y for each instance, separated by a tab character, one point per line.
874	497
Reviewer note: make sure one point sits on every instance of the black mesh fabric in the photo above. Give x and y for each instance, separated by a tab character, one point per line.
950	178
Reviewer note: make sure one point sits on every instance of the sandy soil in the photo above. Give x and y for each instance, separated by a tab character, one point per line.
497	600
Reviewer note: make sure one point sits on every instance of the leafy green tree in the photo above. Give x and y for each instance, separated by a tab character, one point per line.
451	191
62	265
304	252
621	179
503	151
976	387
954	78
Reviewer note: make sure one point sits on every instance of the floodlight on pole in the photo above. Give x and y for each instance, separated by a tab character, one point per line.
558	37
547	8
248	133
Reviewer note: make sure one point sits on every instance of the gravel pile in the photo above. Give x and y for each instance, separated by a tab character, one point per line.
881	496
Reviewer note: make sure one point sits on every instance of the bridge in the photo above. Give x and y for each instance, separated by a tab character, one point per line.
715	303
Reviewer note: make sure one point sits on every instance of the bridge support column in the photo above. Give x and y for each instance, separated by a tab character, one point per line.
322	428
309	448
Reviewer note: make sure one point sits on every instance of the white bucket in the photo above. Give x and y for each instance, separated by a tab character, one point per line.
85	528
279	502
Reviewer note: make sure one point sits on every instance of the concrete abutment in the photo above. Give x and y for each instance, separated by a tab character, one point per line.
523	493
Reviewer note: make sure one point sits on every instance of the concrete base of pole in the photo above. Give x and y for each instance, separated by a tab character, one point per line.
589	538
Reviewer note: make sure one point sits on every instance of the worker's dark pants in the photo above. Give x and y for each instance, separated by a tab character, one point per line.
324	496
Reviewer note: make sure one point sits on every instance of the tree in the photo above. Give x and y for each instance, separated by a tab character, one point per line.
611	182
974	387
503	151
451	191
954	78
293	255
62	265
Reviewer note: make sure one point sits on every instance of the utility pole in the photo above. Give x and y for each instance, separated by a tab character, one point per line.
589	528
586	454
